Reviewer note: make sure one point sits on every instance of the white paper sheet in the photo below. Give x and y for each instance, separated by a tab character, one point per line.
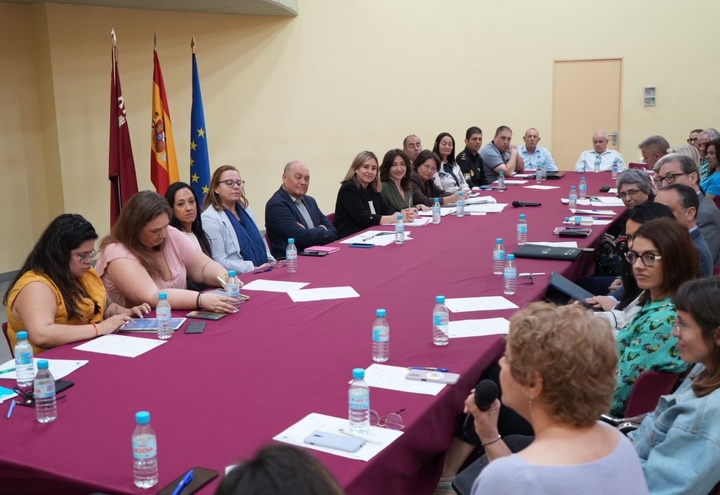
59	368
120	345
486	208
486	303
604	213
570	244
513	182
541	187
374	237
322	294
580	202
479	328
480	200
393	378
418	222
608	201
295	434
274	285
444	211
587	221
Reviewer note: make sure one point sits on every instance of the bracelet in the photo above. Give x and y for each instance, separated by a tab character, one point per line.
197	301
96	329
499	437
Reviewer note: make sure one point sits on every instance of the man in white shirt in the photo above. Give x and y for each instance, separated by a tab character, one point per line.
412	146
532	154
586	161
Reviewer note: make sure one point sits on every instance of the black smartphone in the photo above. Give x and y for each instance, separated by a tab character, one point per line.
201	477
195	327
361	245
312	253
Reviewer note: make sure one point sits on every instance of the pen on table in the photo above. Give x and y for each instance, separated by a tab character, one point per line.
11	409
531	274
268	269
9	370
357	435
425	368
185	482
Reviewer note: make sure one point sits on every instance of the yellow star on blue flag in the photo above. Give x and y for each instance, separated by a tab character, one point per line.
199	158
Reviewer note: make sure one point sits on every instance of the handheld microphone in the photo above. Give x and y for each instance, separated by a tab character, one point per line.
485	394
518	204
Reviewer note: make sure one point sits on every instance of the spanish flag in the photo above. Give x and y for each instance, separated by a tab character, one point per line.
163	160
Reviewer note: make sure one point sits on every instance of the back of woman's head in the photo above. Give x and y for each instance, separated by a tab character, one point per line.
51	253
699	298
137	212
280	470
572	351
679	260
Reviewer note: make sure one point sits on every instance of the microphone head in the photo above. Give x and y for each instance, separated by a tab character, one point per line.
485	394
517	204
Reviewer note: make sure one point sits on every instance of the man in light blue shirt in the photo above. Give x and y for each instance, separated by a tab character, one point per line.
586	161
532	154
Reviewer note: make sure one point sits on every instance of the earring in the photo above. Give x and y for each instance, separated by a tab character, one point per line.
530	399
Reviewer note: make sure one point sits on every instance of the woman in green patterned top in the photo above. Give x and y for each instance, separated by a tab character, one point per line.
662	256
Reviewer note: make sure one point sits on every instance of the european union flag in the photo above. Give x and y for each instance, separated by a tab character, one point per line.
199	160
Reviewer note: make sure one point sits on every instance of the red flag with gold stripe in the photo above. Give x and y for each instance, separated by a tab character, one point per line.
163	160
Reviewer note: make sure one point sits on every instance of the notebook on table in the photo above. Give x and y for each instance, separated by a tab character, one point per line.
555	174
547	252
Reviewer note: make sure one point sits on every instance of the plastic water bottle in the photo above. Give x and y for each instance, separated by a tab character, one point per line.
583	188
572	200
501	181
399	230
544	169
381	337
24	366
597	164
615	169
44	390
291	256
538	174
522	229
436	211
359	403
144	445
164	315
441	322
233	285
461	205
498	257
510	276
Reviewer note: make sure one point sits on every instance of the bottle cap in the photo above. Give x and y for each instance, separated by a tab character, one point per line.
358	373
567	219
142	417
42	364
162	296
511	257
460	194
440	299
522	216
380	313
437	200
291	240
400	217
573	187
498	240
582	178
232	273
22	335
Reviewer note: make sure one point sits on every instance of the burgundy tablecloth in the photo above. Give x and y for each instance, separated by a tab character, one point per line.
215	398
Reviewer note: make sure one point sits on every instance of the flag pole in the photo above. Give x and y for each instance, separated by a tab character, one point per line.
193	45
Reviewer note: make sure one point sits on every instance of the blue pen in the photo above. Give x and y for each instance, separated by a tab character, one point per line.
185	482
424	368
268	269
12	408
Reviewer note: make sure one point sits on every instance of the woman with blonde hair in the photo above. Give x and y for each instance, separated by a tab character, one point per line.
359	203
235	239
558	372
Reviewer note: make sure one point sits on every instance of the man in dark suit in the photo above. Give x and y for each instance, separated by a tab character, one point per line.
291	213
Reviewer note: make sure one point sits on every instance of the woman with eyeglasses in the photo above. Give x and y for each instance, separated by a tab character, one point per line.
711	185
679	443
235	239
186	215
359	204
662	257
57	296
144	255
424	188
449	176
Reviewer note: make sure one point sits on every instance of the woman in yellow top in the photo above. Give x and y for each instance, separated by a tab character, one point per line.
57	296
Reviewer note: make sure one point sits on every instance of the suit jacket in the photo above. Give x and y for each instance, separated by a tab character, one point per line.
424	193
708	219
282	217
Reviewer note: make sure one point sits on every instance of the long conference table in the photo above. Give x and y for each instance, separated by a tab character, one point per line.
217	397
